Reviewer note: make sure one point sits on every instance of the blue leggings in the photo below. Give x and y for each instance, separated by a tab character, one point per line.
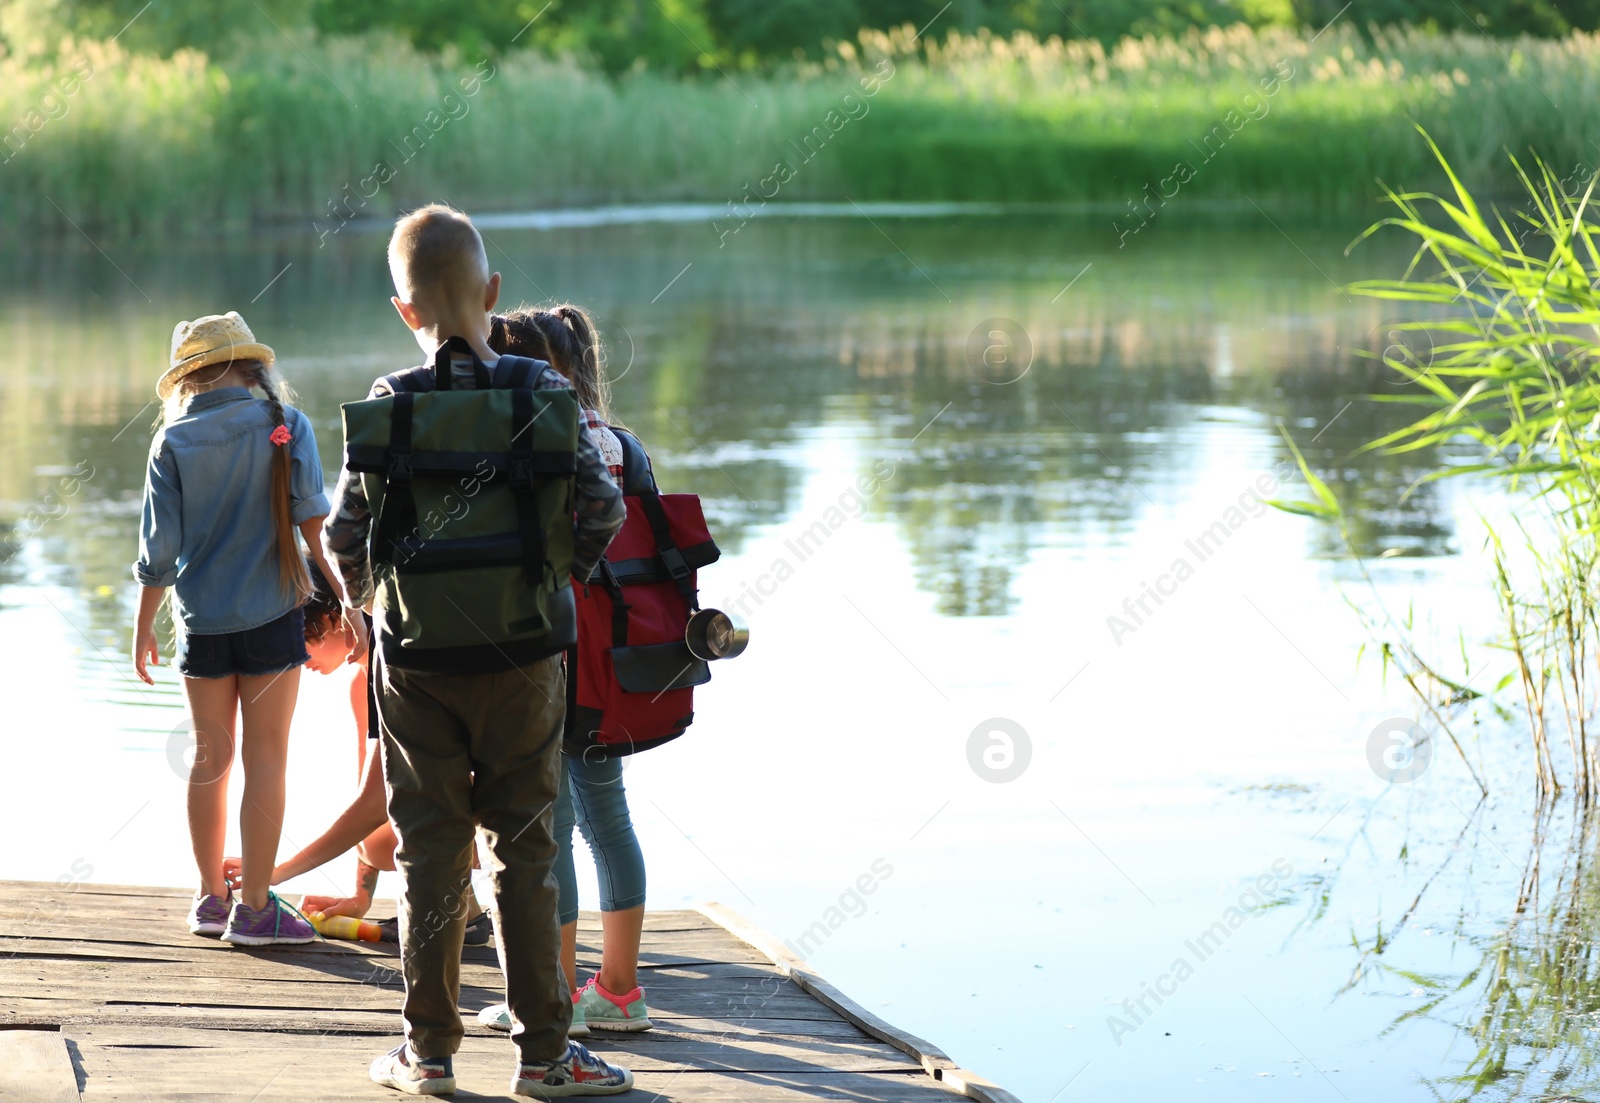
592	796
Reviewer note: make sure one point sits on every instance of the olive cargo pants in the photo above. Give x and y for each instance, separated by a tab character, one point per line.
484	749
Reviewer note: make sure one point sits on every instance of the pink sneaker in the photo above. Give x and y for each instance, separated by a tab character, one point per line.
604	1010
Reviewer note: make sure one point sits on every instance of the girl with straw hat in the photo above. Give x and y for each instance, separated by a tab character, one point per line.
230	479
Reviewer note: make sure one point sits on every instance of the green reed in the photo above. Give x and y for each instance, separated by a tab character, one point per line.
1510	315
277	130
1530	1001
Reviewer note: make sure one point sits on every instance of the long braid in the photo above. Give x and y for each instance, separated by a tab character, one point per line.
291	564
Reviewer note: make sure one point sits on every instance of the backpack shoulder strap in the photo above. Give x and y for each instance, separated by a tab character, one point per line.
667	550
638	476
398	513
515	371
410	381
524	480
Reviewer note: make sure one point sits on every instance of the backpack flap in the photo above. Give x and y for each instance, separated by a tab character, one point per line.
471	543
635	679
658	667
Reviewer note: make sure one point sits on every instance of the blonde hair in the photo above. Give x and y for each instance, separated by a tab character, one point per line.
291	565
436	256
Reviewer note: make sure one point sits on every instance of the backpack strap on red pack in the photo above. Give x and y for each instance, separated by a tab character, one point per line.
619	605
637	475
667	550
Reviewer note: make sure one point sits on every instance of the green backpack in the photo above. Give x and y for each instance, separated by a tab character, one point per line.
471	493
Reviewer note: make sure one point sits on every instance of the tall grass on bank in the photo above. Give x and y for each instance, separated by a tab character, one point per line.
1513	384
278	131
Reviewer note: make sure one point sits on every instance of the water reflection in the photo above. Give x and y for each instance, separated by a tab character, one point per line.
796	361
732	371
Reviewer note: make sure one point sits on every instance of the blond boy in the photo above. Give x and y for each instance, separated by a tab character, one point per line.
475	742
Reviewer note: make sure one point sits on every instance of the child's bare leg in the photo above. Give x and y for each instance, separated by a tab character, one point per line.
619	957
213	707
267	703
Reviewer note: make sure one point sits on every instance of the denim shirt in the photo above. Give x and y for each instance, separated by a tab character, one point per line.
207	527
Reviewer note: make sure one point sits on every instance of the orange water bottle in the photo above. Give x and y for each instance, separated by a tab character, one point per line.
346	927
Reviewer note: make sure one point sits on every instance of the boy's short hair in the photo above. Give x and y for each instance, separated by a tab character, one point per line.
436	256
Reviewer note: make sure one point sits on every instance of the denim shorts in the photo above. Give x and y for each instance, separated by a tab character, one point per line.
272	648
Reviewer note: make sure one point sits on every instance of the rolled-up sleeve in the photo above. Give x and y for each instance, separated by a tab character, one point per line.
308	499
345	531
161	521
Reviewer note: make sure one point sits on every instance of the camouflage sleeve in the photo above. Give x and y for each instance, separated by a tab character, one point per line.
599	510
344	533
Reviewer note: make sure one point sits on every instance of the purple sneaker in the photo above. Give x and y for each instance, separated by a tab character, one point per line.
209	914
274	925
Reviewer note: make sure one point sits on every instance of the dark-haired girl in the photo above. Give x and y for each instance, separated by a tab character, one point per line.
592	794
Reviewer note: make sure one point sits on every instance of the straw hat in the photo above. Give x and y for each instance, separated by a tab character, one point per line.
214	339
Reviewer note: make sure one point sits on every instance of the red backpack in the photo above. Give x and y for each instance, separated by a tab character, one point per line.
631	676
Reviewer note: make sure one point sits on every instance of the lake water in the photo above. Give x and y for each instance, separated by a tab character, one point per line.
1071	906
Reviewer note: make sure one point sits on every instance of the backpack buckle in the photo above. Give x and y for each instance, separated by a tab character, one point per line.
399	466
672	559
522	470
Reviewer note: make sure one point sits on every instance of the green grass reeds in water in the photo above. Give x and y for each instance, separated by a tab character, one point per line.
276	132
1509	312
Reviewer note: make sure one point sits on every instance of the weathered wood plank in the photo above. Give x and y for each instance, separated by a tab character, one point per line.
663	1049
803	1023
482	1066
93	982
35	1067
24	898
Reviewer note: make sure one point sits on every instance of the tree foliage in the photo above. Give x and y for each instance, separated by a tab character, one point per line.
678	36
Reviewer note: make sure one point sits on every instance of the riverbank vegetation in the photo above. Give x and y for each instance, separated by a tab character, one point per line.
1504	371
340	127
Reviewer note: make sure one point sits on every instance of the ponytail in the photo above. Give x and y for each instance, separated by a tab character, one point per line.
291	564
582	353
565	336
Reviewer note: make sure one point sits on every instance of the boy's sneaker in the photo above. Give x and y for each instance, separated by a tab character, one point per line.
498	1017
477	933
209	914
276	924
575	1072
400	1070
478	930
605	1011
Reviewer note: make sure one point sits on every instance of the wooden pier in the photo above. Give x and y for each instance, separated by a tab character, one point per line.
104	995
